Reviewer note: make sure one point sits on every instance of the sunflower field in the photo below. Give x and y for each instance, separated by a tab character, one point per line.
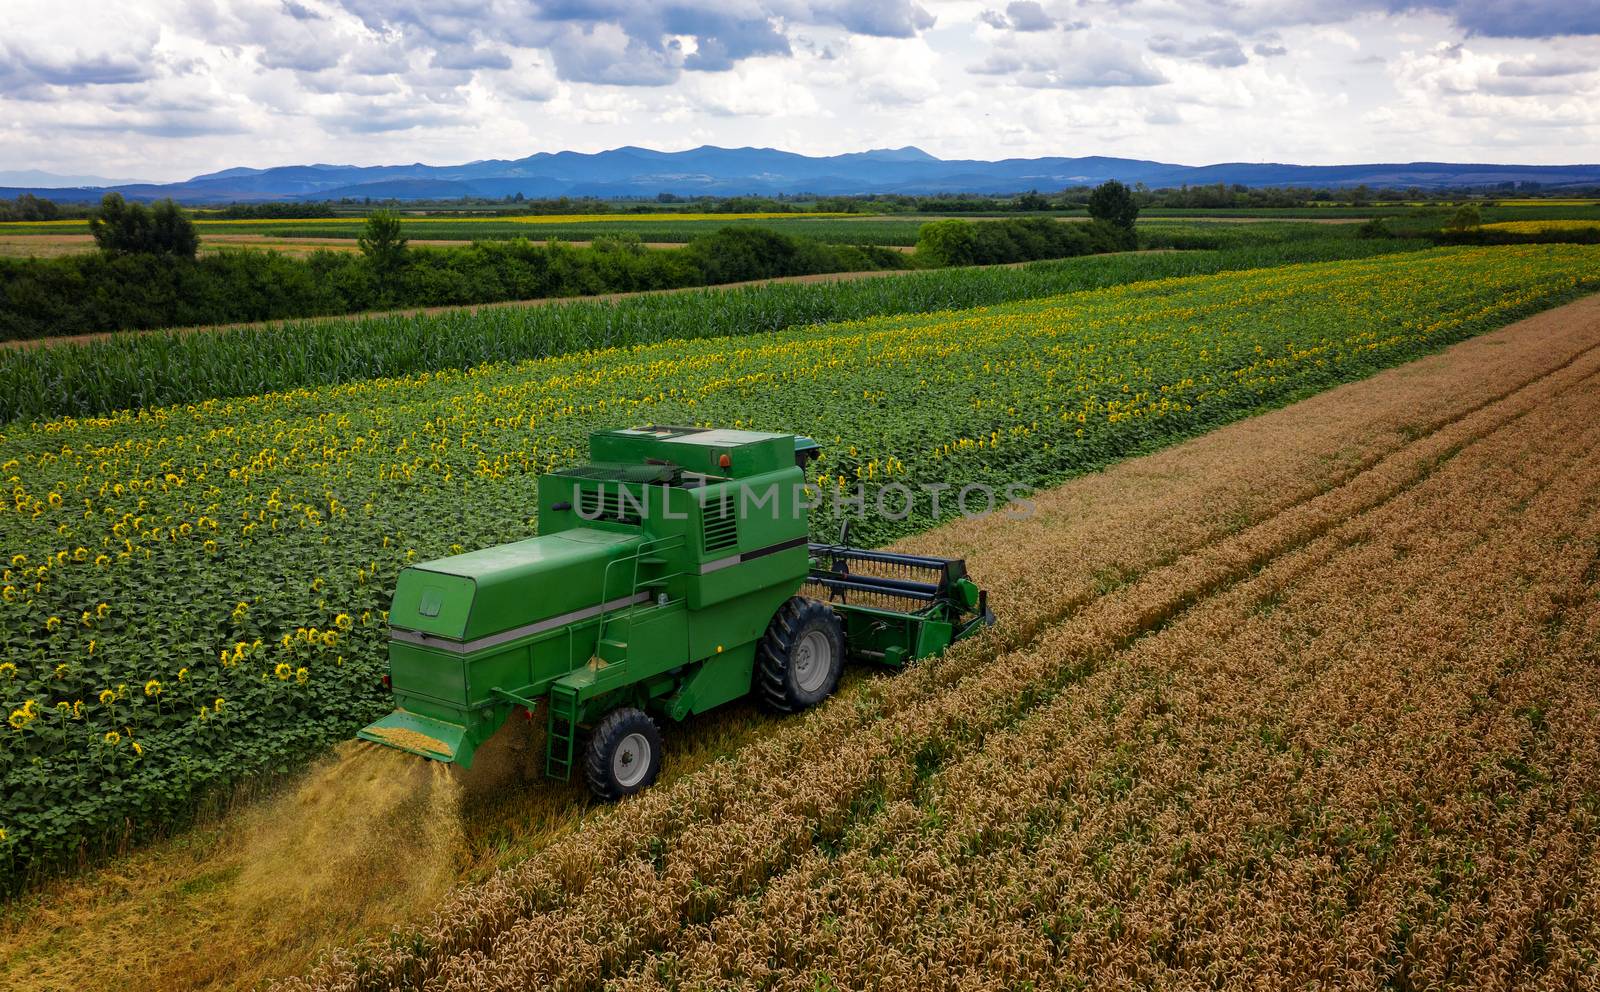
197	593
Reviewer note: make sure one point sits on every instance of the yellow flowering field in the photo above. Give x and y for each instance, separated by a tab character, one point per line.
195	593
1536	226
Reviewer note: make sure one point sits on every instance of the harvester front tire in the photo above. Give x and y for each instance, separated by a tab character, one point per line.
800	657
624	754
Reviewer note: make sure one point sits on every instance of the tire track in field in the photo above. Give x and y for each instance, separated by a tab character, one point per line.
704	844
705	953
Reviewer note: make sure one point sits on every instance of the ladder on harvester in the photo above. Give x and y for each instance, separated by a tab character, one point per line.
565	710
561	731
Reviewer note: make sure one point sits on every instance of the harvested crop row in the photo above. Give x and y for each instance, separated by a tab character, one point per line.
1280	786
637	877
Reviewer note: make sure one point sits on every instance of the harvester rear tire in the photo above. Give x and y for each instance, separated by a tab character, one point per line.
800	657
623	755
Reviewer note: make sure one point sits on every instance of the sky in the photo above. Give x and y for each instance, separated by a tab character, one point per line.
166	89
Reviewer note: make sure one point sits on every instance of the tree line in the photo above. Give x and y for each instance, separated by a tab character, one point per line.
148	272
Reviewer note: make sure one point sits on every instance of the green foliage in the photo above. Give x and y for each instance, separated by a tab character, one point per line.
383	242
122	290
157	369
207	581
1501	236
27	207
739	254
1377	227
1032	200
1465	217
1022	239
273	211
1113	203
1187	235
123	228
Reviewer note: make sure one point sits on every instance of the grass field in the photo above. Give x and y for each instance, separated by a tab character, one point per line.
196	593
1257	701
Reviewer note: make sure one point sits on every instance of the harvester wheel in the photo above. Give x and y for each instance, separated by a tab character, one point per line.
624	754
800	657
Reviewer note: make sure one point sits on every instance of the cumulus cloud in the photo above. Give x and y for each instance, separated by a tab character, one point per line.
313	56
1544	68
1514	18
604	53
1020	15
874	18
1091	62
72	68
1270	46
470	57
635	42
1456	80
1488	18
446	79
300	11
1217	50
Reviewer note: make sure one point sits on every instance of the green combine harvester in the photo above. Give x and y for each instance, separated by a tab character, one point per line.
672	575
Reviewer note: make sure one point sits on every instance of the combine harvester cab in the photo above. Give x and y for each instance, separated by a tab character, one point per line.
667	580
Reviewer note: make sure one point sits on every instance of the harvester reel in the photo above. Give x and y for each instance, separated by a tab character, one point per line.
800	658
624	754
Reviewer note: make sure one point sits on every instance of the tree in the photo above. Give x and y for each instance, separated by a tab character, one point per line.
1113	203
123	228
382	242
172	232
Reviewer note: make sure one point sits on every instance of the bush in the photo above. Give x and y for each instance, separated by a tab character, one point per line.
1467	216
1377	227
961	242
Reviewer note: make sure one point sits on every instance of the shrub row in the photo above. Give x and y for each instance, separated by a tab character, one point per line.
90	293
1023	239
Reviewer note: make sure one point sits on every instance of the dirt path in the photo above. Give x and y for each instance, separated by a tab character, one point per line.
1111	555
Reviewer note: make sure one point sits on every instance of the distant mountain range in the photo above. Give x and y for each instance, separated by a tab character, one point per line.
39	179
641	172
